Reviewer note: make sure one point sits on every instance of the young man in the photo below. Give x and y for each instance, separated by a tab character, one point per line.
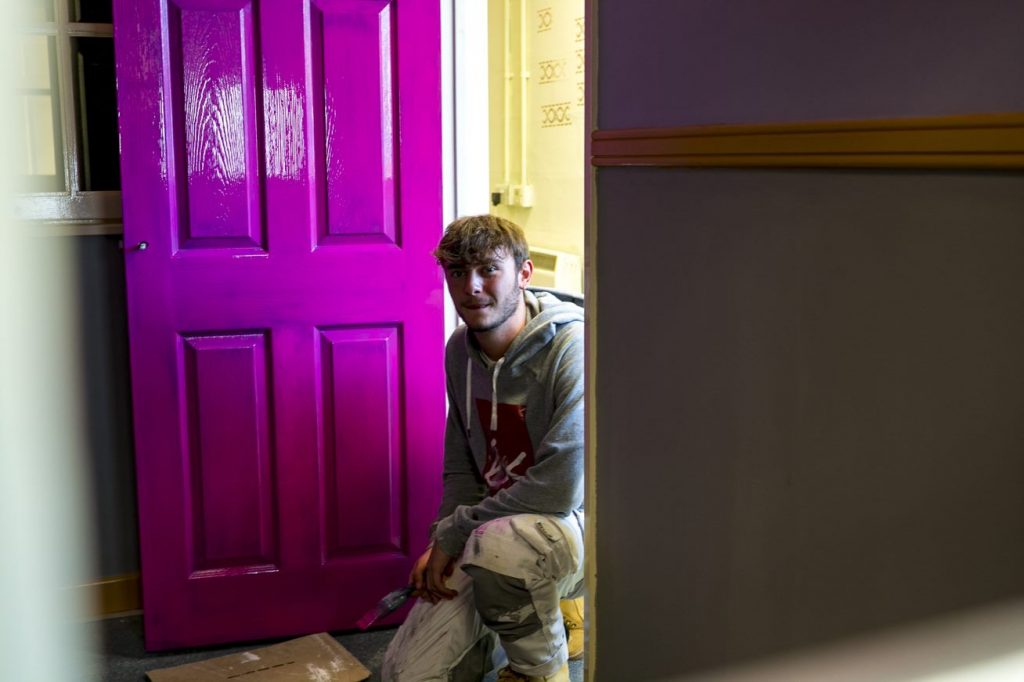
507	544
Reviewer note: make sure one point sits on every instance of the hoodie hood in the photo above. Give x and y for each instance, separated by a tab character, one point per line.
546	315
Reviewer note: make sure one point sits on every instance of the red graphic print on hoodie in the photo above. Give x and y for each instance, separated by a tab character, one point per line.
509	451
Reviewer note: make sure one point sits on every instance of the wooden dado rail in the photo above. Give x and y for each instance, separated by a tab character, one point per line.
982	141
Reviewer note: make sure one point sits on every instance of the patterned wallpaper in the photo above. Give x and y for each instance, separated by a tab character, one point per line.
554	32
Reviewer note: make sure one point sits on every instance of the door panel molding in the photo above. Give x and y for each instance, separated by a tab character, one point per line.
215	79
361	413
226	388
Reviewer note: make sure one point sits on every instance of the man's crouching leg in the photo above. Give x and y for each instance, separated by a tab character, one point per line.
443	642
521	566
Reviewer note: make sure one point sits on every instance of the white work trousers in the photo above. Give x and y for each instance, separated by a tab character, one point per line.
451	641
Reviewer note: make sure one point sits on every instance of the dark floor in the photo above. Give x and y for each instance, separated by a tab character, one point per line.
121	657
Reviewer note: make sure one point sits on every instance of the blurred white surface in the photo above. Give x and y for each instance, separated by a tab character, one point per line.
44	536
984	645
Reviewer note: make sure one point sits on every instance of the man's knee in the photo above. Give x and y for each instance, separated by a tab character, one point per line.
525	546
504	603
443	641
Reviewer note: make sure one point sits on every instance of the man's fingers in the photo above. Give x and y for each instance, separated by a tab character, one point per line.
437	567
418	574
437	587
416	579
445	592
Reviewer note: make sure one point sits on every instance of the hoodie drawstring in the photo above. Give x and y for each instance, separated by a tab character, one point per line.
469	395
494	394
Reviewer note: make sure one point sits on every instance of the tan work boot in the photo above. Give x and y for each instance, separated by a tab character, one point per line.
510	675
572	616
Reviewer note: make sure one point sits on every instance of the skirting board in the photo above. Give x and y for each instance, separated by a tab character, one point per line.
115	594
980	141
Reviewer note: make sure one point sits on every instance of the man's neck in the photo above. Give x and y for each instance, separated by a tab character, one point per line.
495	342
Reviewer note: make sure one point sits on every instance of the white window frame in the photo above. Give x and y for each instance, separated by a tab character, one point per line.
73	211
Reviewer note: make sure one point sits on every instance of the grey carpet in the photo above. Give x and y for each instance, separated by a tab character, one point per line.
120	655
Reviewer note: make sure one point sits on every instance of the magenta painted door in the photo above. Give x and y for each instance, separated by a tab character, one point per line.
282	194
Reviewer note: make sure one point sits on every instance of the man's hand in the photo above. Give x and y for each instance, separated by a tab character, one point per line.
418	575
429	575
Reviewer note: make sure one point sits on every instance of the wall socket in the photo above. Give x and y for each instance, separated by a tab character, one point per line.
521	195
513	195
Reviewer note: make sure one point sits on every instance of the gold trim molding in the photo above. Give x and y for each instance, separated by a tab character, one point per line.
979	141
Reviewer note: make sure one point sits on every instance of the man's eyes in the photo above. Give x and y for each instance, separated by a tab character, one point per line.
486	269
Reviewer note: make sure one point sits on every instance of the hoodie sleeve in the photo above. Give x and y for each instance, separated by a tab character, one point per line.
554	484
462	482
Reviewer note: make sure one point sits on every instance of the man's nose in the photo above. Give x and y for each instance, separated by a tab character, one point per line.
474	283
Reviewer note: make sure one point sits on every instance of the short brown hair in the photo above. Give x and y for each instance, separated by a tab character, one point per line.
473	239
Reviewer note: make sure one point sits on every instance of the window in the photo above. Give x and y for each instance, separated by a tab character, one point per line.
68	162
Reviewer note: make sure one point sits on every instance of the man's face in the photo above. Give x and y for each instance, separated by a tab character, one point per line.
487	294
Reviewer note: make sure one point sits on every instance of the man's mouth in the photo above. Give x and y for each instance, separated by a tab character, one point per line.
475	306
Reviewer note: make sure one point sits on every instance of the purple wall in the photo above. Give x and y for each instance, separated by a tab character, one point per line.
809	407
104	349
808	381
684	62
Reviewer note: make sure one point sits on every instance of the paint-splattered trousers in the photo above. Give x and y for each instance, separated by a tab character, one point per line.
510	578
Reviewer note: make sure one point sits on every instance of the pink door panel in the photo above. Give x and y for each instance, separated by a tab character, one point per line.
361	447
281	164
230	500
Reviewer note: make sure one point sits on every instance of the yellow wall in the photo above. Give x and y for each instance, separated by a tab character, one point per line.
554	117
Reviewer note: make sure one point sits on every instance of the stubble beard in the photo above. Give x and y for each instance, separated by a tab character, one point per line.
509	304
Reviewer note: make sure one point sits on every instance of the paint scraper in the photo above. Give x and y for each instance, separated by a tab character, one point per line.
391	601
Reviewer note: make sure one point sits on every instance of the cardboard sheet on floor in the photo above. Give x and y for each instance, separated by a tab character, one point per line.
317	658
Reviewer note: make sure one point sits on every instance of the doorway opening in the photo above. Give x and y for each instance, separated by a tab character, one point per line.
515	121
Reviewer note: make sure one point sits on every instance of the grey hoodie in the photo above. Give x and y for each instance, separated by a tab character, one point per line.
523	451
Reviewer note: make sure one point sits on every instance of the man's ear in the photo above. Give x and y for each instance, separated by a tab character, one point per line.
525	273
